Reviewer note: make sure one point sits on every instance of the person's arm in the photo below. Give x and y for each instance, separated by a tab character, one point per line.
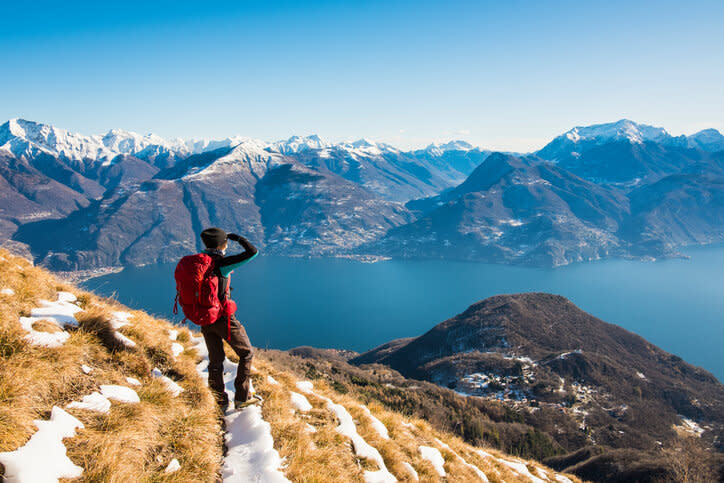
226	265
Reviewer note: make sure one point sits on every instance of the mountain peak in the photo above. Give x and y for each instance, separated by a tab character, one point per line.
708	140
623	129
296	144
437	149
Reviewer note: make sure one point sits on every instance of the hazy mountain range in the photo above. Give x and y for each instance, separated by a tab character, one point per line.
619	189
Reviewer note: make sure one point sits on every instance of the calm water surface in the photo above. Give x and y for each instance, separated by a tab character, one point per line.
676	304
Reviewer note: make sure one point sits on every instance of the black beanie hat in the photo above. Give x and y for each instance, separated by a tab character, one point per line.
213	237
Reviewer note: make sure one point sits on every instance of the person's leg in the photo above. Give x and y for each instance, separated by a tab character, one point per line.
215	346
242	346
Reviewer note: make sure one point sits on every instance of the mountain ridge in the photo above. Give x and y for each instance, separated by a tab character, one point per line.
455	206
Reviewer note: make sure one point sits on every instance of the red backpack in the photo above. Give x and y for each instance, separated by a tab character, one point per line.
197	290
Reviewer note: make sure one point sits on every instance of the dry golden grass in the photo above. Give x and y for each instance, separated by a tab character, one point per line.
322	456
132	442
327	456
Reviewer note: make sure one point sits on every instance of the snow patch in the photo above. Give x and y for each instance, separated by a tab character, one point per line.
477	470
361	447
120	393
86	369
120	319
92	402
434	456
170	384
271	381
300	402
176	349
691	426
410	469
521	469
60	313
44	457
133	381
305	386
250	455
173	334
124	340
377	425
7	291
173	466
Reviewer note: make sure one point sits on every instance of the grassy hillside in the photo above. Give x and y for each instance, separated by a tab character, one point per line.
100	351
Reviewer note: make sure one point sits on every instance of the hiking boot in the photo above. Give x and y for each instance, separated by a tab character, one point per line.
254	399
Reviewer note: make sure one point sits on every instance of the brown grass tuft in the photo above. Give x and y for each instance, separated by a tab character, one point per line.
133	442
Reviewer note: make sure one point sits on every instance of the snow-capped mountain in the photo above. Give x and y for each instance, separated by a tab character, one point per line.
709	140
438	149
28	138
578	139
298	143
306	196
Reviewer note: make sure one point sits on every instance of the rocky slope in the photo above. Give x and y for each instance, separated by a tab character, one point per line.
532	351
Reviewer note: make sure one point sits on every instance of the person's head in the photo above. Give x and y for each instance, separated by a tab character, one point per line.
214	238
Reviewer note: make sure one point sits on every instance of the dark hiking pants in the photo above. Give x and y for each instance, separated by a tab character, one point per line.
214	335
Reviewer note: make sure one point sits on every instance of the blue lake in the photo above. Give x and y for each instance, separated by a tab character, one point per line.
283	302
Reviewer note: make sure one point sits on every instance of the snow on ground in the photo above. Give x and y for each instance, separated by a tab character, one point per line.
361	447
92	402
377	425
176	349
300	402
7	291
542	474
477	470
133	381
347	428
562	479
305	386
271	380
120	393
691	426
43	457
120	319
173	466
173	334
521	469
250	455
411	470
60	313
86	369
484	454
124	340
170	384
434	456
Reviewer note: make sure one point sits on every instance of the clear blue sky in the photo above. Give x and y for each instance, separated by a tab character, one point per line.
500	74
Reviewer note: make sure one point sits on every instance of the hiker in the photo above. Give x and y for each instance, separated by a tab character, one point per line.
216	316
